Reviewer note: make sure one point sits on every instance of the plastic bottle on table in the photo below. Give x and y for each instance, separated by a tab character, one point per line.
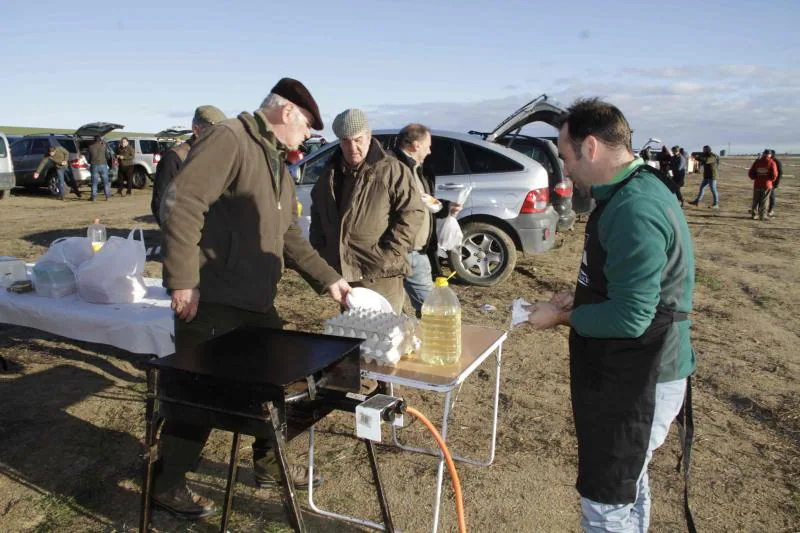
96	235
441	326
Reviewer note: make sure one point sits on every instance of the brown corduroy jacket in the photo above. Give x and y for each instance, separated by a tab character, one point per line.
229	221
376	230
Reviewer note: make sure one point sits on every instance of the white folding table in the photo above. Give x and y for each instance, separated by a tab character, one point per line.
144	327
477	344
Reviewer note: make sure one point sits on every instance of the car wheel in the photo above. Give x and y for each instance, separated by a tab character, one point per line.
52	184
487	255
139	178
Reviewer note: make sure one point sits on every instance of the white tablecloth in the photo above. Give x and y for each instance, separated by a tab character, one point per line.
145	327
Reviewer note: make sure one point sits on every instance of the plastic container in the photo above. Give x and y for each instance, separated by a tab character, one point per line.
11	271
96	235
441	326
53	280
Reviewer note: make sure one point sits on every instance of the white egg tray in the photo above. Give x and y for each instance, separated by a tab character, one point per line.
387	336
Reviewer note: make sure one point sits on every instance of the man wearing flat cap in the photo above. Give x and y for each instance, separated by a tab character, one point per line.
365	213
171	162
229	223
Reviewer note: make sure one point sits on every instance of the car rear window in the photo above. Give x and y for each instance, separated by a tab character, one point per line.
69	145
40	146
149	147
484	161
444	159
163	146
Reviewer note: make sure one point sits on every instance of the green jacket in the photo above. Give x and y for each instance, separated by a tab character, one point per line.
126	155
60	158
710	164
228	219
650	263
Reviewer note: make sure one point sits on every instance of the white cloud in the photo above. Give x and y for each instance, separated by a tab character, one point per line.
747	105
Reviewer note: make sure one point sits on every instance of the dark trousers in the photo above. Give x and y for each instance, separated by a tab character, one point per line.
760	202
182	444
125	178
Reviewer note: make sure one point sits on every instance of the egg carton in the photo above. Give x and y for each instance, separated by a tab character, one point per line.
387	336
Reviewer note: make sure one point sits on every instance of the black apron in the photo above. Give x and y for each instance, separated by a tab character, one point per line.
613	382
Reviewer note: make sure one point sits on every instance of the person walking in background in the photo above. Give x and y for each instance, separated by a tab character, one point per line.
710	162
665	160
171	162
98	165
58	157
124	157
763	172
775	184
678	164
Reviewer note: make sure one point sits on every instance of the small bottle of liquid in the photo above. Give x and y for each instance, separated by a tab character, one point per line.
96	235
441	326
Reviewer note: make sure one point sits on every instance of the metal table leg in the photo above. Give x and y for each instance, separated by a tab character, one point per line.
151	429
232	469
492	443
289	493
376	478
337	516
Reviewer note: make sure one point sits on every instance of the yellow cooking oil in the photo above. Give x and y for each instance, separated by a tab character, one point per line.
441	326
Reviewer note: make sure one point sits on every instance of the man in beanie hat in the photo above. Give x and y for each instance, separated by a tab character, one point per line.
229	224
365	213
171	162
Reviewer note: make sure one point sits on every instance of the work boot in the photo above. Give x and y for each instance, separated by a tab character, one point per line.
182	503
693	202
267	473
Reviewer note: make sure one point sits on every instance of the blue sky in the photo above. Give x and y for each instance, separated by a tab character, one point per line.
691	73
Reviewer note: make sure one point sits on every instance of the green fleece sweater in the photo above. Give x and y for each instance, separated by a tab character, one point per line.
649	264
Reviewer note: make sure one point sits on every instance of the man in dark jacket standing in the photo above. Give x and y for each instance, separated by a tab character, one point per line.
98	165
365	214
710	162
229	224
124	157
775	184
678	172
171	162
413	146
630	347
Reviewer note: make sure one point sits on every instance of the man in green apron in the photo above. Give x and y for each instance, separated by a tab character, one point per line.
630	351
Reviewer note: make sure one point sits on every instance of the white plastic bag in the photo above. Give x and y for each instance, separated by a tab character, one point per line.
54	274
115	273
449	233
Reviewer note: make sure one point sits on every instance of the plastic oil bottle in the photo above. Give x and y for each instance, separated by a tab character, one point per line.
96	235
441	326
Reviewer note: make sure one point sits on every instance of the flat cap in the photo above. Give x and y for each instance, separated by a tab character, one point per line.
209	114
296	93
350	123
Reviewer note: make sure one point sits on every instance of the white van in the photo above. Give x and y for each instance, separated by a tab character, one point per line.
7	180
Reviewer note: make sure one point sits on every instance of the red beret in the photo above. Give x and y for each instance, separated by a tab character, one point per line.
296	93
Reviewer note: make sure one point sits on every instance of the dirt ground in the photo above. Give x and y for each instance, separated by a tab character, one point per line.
72	413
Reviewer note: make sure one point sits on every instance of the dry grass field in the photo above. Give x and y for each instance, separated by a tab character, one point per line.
72	413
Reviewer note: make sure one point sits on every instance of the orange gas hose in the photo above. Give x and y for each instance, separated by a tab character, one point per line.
451	467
